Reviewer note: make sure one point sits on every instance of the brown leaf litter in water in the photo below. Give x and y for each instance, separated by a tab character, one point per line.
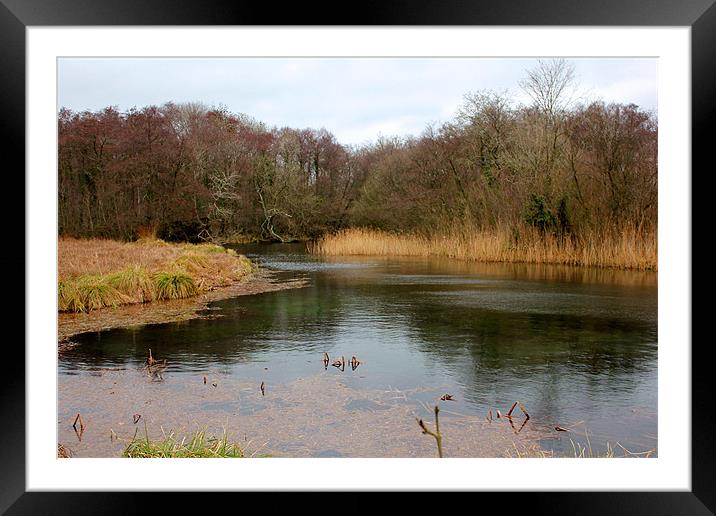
316	416
70	324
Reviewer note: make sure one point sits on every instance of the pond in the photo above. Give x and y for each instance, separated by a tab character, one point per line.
577	347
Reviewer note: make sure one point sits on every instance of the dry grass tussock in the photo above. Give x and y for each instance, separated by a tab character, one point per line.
625	250
95	273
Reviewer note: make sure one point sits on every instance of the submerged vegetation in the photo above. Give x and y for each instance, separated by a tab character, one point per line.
97	273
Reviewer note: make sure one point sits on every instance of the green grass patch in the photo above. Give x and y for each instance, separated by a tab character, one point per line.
96	292
143	271
86	293
206	248
134	282
175	284
68	297
198	446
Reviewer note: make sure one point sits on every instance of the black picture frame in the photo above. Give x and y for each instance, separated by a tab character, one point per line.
16	15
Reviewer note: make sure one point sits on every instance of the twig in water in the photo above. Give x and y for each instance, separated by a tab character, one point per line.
568	428
340	363
82	423
262	388
154	368
523	425
150	359
522	408
437	435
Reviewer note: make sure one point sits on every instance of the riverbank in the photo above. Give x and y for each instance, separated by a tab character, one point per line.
625	250
104	284
96	273
125	316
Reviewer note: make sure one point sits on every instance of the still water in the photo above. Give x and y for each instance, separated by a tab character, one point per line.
576	346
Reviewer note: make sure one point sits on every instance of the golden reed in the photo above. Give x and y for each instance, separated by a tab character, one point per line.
624	250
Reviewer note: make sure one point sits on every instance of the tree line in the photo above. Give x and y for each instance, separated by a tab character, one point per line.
192	172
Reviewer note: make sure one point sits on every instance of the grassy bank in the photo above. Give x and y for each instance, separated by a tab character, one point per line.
625	250
95	273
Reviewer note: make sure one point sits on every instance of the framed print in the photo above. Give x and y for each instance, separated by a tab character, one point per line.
428	248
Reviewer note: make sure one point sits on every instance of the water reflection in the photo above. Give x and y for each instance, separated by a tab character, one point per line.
571	344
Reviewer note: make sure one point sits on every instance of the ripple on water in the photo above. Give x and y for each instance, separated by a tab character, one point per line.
570	350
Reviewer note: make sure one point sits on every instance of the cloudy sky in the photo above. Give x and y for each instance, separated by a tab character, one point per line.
355	99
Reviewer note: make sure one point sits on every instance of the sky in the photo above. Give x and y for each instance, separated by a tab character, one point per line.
357	99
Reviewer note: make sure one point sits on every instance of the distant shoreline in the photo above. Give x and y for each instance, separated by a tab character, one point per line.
625	250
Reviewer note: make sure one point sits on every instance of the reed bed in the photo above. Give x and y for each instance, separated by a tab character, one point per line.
623	250
96	273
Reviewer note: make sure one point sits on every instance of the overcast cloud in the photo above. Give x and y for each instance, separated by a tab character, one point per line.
355	99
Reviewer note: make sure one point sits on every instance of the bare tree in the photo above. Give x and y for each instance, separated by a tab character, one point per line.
198	172
550	85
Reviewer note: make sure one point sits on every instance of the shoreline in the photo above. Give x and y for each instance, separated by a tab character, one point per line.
70	324
629	251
